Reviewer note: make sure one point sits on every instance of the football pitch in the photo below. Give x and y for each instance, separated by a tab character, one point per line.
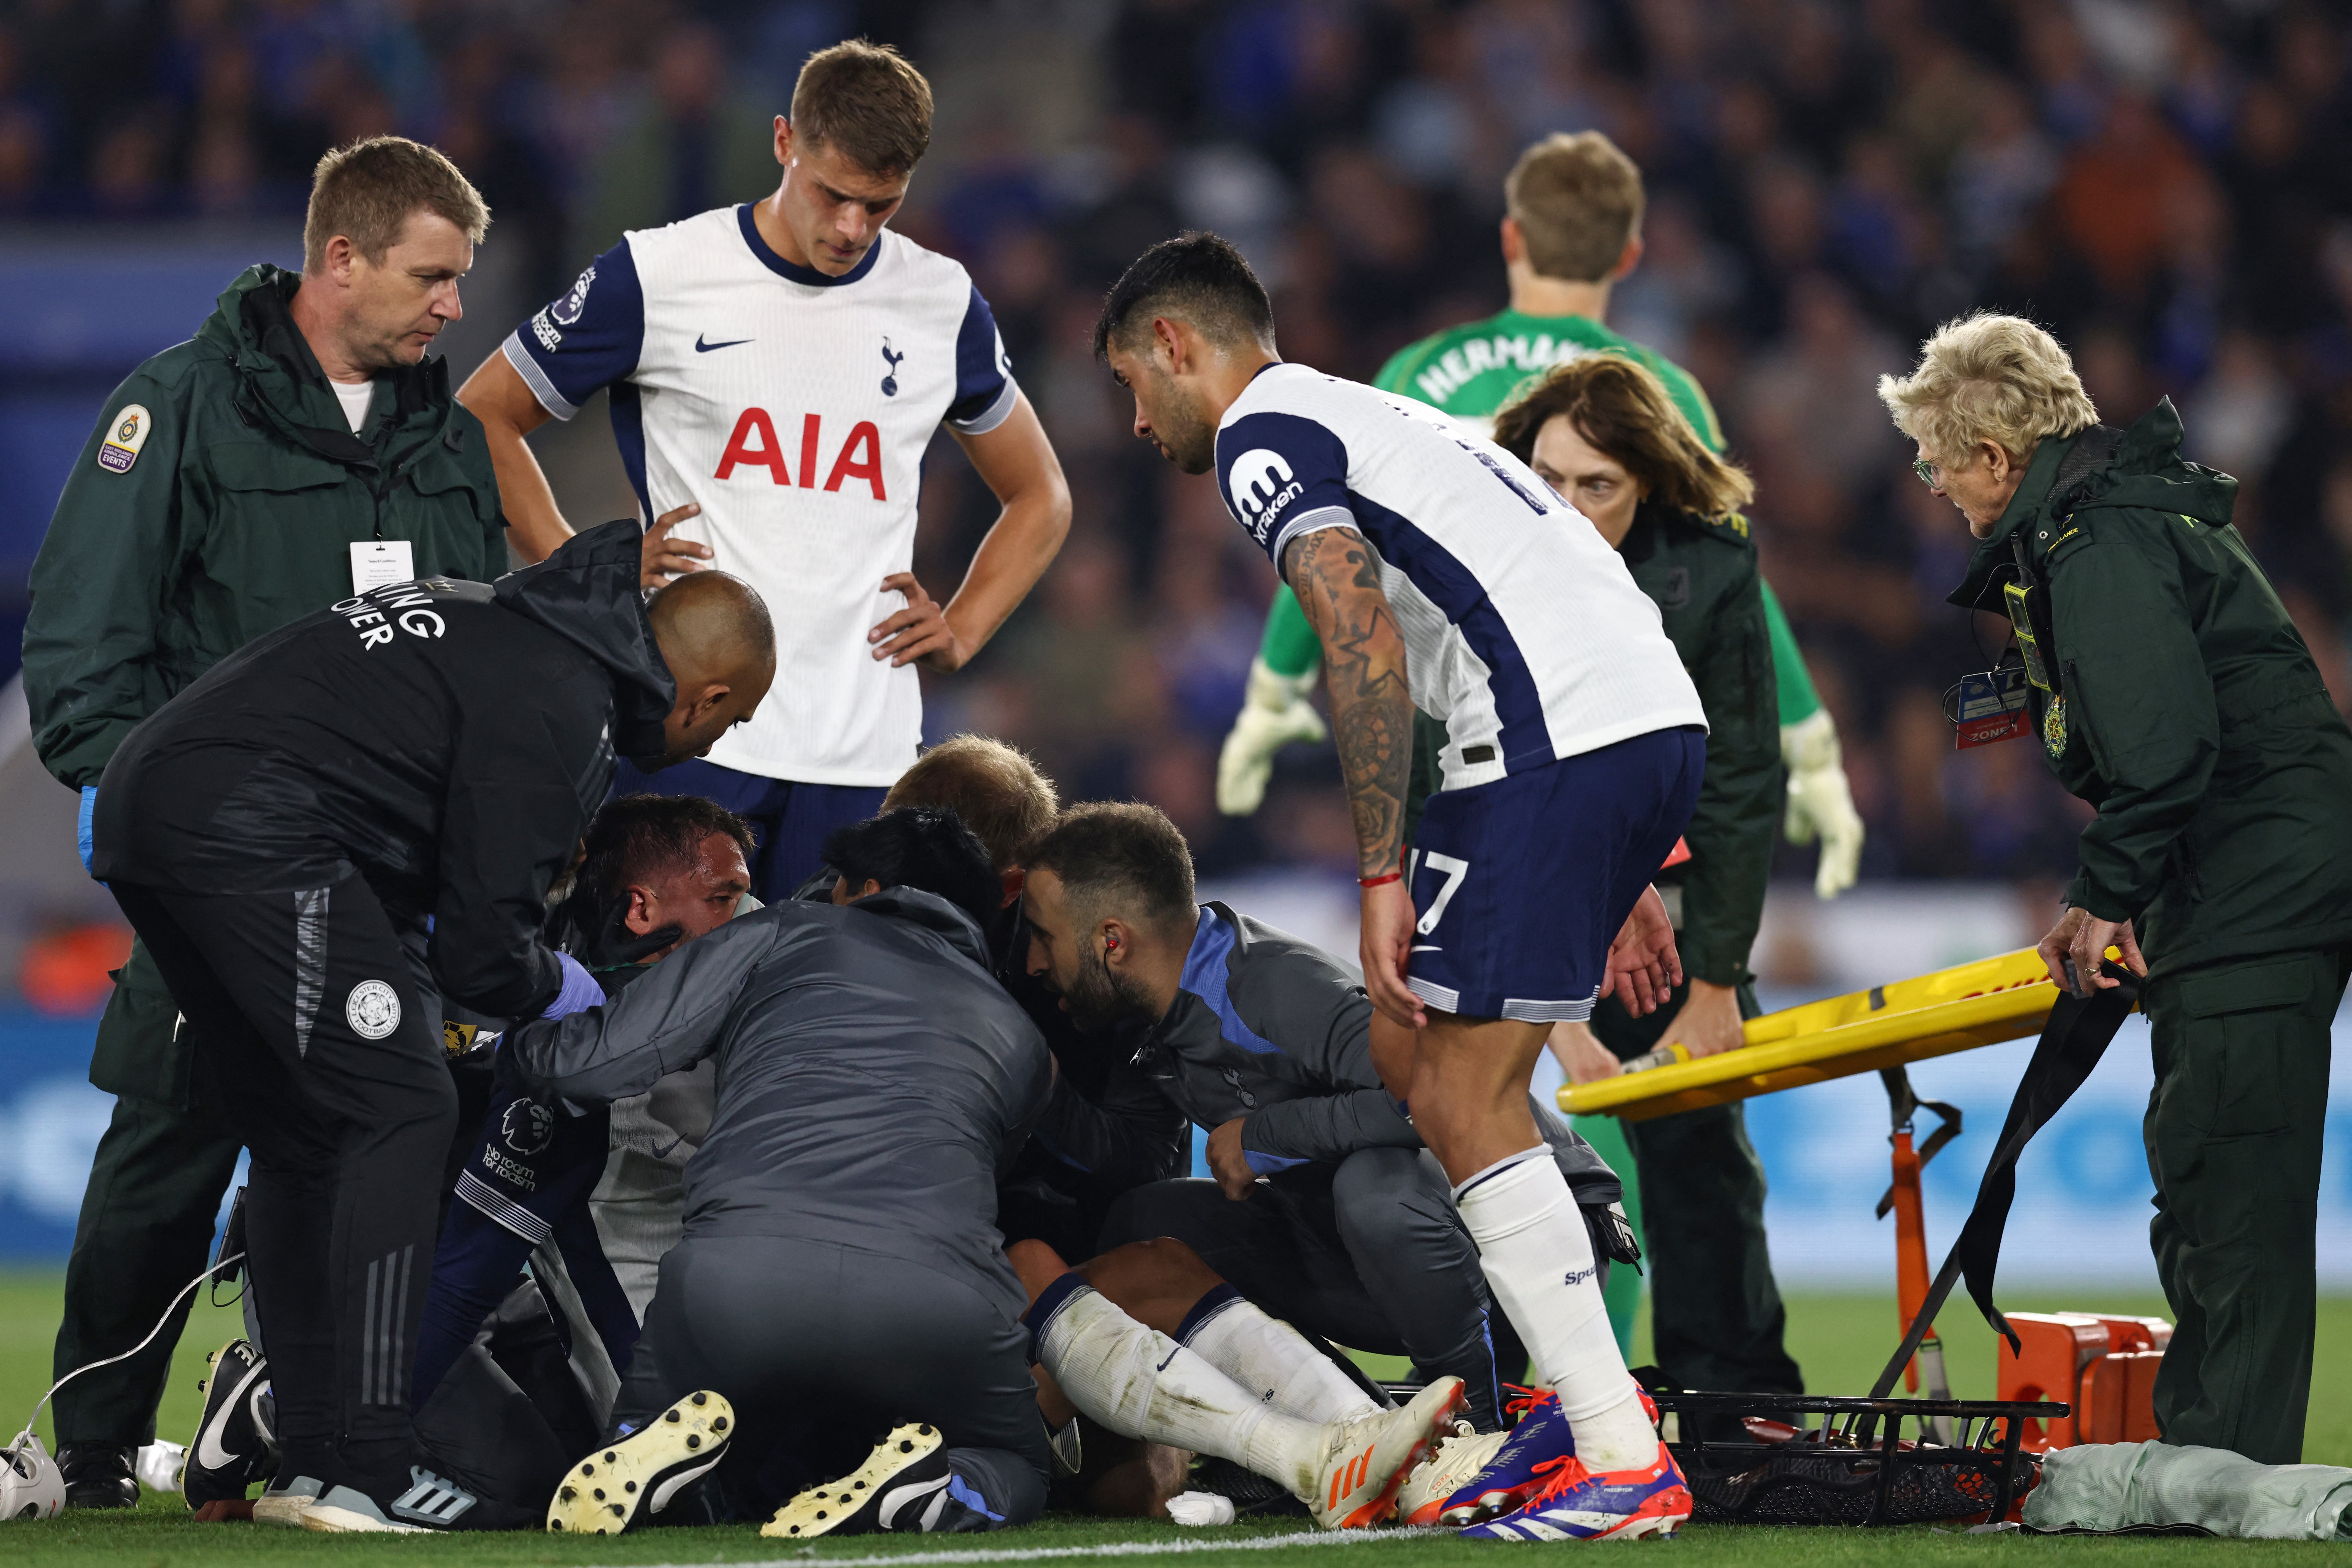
1841	1340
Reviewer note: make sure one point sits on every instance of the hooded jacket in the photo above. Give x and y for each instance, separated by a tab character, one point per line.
445	741
1274	1031
218	500
873	1077
2189	712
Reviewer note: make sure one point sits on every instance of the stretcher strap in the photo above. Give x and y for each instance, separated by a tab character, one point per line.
2071	1042
1905	1105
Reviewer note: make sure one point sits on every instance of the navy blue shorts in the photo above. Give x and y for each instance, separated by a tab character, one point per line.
1522	884
790	820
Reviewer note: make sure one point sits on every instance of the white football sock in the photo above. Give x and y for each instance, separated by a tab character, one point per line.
1270	1359
1537	1258
1140	1384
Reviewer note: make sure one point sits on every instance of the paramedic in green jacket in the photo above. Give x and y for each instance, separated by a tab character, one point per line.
1574	230
299	449
1603	431
2169	689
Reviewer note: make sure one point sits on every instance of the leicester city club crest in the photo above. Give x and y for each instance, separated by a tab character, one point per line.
373	1010
2053	727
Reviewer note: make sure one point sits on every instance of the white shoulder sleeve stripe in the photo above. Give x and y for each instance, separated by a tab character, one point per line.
1308	522
554	402
990	417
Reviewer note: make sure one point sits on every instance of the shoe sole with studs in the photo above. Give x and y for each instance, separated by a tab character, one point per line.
612	1489
845	1503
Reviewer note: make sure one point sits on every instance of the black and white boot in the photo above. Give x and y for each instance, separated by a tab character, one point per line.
614	1487
905	1485
232	1447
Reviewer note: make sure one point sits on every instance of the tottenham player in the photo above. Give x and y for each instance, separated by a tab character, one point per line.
1440	571
776	372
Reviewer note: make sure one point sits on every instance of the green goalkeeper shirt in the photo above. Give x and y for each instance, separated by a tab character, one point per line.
1471	371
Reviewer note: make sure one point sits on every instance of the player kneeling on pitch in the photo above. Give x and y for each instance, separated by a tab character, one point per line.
1440	571
1326	1209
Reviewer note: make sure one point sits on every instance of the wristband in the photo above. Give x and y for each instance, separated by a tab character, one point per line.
1380	881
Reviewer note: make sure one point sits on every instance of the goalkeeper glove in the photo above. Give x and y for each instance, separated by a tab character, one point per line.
1275	713
1819	802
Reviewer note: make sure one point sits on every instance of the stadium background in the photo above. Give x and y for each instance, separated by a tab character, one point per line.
2164	185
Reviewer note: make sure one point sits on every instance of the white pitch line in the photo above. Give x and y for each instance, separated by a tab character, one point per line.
1113	1549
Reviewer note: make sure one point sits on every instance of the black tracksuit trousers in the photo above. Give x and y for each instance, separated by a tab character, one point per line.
325	1044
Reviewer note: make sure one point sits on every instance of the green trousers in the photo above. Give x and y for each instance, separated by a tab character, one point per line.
2233	1134
146	1224
1716	1314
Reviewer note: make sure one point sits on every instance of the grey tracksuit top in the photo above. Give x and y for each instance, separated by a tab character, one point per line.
1274	1030
873	1077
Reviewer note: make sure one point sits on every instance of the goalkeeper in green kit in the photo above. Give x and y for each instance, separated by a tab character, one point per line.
1574	206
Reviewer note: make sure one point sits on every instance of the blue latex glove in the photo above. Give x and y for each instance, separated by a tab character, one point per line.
82	825
580	991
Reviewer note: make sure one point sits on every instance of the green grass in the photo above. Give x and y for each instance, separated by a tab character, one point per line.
1841	1340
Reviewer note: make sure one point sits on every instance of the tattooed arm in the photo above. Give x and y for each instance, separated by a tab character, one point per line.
1337	578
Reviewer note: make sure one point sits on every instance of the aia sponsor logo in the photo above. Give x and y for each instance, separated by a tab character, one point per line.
755	444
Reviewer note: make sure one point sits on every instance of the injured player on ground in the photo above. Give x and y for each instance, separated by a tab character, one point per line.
856	1039
657	871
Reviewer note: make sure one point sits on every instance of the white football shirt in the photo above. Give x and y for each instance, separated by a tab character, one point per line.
795	407
1523	629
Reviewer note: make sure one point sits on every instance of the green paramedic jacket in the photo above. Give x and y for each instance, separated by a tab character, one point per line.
2189	713
217	500
1702	574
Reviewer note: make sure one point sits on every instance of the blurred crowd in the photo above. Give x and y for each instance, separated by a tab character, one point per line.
2167	185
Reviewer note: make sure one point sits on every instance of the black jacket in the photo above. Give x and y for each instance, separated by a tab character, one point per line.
447	741
874	1078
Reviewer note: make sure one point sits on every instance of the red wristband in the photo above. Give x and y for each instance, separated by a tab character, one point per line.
1380	881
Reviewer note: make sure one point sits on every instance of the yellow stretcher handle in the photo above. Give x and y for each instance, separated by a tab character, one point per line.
1955	1009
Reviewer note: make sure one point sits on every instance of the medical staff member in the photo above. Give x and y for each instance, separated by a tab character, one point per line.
300	448
2169	691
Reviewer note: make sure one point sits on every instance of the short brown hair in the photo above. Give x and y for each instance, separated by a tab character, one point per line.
1577	200
1624	412
366	191
1124	858
995	788
868	101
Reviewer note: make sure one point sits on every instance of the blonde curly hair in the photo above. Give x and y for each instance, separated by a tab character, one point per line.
1986	377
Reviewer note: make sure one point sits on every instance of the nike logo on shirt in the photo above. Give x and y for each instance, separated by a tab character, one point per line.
702	348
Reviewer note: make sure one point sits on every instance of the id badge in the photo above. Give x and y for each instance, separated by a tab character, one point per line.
381	563
1988	707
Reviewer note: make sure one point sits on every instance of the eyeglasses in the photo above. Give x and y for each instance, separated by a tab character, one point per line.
1930	473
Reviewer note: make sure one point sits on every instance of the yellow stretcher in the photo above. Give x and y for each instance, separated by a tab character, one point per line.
1955	1009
